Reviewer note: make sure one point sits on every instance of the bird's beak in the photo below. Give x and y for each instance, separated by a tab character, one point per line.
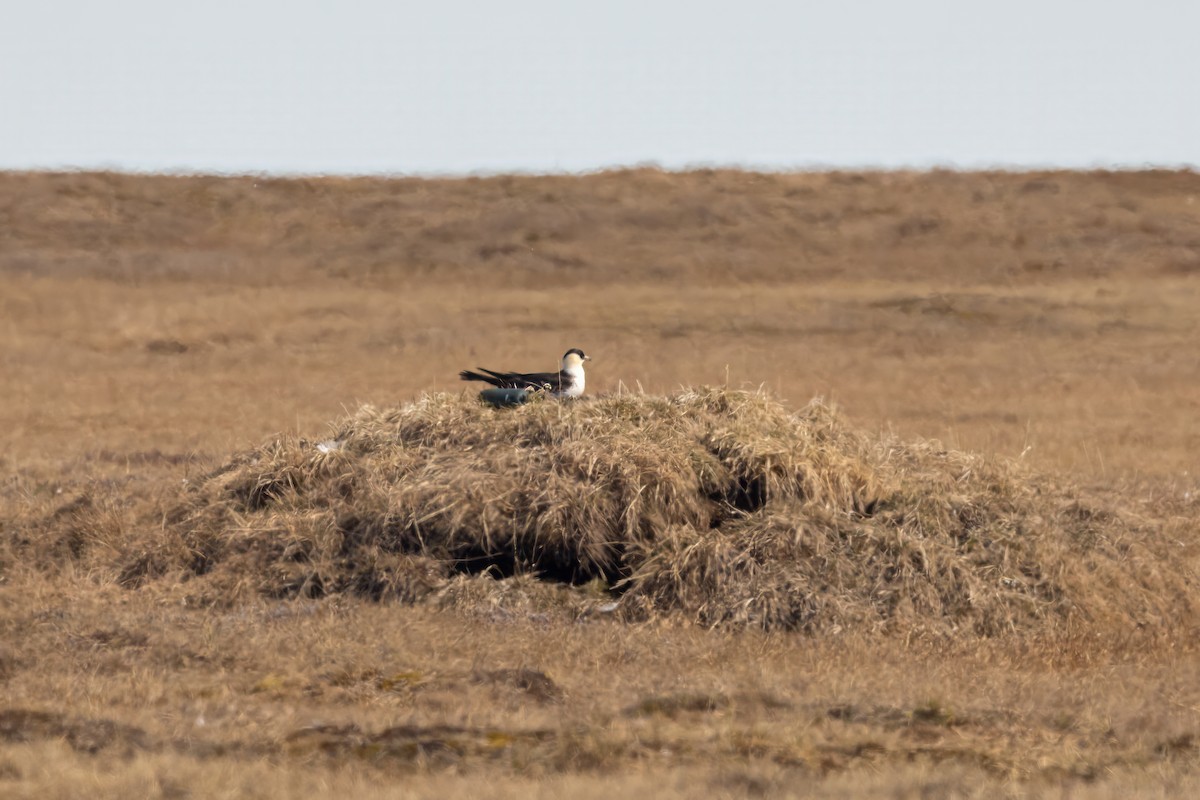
587	358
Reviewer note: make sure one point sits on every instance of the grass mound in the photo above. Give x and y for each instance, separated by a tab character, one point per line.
717	504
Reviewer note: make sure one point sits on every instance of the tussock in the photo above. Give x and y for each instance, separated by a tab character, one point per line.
719	505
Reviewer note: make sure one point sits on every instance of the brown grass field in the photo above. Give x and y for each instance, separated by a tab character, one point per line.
972	569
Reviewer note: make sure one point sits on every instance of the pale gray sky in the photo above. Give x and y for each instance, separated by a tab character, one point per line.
369	86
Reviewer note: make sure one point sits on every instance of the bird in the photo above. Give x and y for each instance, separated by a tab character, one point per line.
567	382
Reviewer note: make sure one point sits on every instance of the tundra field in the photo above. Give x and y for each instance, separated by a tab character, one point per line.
885	485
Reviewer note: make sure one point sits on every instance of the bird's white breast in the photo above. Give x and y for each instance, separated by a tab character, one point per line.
577	381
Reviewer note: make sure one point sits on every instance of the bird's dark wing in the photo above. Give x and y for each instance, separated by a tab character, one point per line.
467	375
527	379
556	381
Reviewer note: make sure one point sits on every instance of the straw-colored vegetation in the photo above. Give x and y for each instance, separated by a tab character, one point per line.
970	571
714	504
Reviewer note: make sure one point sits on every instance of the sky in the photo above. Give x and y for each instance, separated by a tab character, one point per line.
446	87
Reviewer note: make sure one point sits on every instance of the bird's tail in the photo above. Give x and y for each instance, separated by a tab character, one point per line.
467	375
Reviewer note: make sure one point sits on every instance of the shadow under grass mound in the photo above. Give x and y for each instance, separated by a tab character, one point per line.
722	506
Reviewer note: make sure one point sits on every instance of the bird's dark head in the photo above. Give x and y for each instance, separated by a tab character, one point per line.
574	358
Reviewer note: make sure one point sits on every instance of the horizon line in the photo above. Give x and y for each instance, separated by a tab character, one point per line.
815	168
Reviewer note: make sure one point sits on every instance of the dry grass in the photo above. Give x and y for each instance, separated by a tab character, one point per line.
812	599
717	504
